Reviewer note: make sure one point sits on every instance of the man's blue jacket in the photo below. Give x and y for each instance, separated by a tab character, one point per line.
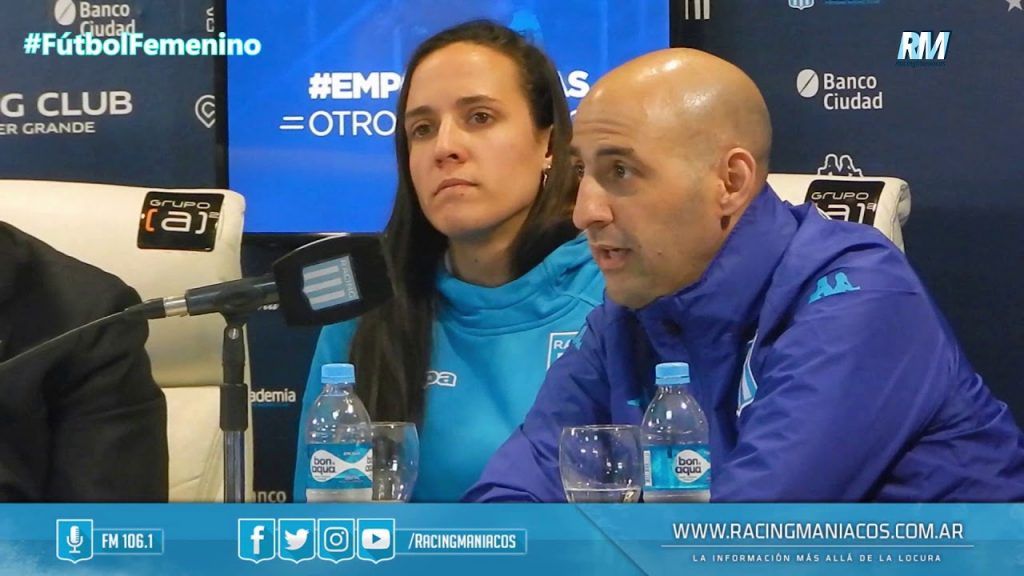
826	371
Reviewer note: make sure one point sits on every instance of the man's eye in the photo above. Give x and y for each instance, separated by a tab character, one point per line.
620	170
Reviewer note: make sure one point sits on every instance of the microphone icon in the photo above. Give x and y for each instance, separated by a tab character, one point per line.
74	539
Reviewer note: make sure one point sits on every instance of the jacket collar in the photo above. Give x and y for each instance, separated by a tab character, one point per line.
527	301
728	297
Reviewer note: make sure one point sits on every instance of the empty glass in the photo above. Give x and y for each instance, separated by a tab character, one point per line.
396	461
601	463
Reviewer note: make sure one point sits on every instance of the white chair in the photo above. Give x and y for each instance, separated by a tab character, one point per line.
99	224
881	202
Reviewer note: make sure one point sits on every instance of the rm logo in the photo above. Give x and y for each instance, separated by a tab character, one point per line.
558	343
923	48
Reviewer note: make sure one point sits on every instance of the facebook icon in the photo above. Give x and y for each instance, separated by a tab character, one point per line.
257	538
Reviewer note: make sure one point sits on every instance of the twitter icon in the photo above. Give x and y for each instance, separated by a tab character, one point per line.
296	539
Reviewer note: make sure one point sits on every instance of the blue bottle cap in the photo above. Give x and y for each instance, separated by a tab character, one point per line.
672	373
337	374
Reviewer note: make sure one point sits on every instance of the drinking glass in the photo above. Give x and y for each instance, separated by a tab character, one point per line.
396	461
601	463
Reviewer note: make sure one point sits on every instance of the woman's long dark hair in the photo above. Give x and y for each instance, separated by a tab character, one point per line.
392	345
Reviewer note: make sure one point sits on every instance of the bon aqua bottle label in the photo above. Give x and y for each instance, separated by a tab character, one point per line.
340	466
685	467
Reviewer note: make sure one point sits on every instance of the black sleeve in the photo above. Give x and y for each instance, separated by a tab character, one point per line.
109	423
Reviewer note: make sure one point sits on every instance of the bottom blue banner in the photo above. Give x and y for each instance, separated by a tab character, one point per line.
911	539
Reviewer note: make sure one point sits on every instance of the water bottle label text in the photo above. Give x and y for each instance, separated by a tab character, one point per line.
340	466
686	467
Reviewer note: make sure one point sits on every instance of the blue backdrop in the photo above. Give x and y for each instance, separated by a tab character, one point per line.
952	126
154	119
311	118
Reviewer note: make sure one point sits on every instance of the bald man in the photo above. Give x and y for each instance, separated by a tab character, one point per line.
824	368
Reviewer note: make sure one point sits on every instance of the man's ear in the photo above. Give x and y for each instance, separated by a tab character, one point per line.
739	180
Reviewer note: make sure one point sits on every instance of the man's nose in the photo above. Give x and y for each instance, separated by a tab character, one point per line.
591	205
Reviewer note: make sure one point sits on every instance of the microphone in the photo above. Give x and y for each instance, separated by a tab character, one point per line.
327	281
74	538
331	280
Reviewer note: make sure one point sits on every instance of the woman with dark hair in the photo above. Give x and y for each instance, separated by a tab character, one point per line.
491	278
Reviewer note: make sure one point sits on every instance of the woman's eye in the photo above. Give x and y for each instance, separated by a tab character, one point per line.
420	130
480	117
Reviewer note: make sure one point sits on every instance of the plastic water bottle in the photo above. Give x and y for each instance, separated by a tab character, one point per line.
677	456
339	441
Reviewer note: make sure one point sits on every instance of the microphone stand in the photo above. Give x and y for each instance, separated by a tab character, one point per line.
234	407
235	302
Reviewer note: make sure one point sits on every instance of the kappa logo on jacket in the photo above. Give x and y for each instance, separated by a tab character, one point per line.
842	285
441	378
